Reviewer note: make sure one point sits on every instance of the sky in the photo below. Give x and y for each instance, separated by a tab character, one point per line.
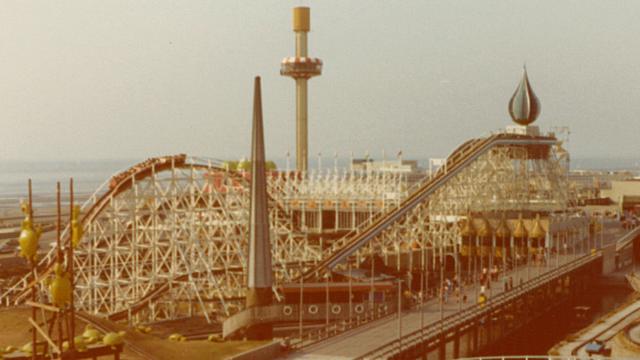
134	79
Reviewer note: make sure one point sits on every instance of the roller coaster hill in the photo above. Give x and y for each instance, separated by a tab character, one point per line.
168	238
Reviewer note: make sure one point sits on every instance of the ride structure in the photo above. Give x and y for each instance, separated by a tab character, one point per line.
489	183
169	237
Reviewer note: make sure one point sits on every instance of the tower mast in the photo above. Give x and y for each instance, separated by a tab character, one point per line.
301	68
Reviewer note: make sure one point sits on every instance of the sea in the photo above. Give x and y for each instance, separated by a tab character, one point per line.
89	175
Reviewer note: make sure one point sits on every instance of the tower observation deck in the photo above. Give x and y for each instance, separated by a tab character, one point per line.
301	68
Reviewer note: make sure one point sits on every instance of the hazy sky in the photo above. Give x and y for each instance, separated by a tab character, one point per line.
134	79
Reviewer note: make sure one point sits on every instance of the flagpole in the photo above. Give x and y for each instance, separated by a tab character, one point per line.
300	310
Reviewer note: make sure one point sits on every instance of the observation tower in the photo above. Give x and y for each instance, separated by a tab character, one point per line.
301	68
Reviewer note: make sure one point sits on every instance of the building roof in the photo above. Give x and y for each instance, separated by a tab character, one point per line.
630	200
598	201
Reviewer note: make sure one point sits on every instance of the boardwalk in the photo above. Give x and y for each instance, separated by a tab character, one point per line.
359	341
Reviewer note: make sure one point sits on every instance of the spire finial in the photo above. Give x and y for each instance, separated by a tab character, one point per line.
524	106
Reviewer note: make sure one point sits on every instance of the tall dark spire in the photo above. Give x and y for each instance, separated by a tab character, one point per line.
524	106
260	278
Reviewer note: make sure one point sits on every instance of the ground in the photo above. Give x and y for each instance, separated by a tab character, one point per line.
14	330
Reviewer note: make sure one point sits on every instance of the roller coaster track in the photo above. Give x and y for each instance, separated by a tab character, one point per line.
155	293
457	161
341	249
122	182
117	184
163	288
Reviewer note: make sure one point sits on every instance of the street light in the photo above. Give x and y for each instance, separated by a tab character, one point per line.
399	281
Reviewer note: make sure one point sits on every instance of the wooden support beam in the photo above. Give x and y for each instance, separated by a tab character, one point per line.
442	347
42	306
476	345
45	335
469	332
456	344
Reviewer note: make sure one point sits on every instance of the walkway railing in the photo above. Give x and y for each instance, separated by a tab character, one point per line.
337	313
335	328
465	316
324	332
627	239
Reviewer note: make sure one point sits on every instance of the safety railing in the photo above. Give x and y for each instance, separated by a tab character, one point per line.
628	238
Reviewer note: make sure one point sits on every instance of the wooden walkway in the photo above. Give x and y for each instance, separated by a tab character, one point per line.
358	342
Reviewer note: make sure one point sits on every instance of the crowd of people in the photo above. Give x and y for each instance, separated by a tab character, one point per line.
453	288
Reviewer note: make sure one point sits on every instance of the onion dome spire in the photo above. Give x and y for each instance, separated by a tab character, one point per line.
503	231
538	231
524	106
520	231
468	230
485	229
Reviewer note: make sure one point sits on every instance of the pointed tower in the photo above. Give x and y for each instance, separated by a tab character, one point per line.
524	106
259	278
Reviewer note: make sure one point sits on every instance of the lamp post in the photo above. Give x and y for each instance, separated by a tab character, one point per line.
422	271
442	290
350	294
327	300
601	231
528	259
300	309
399	281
